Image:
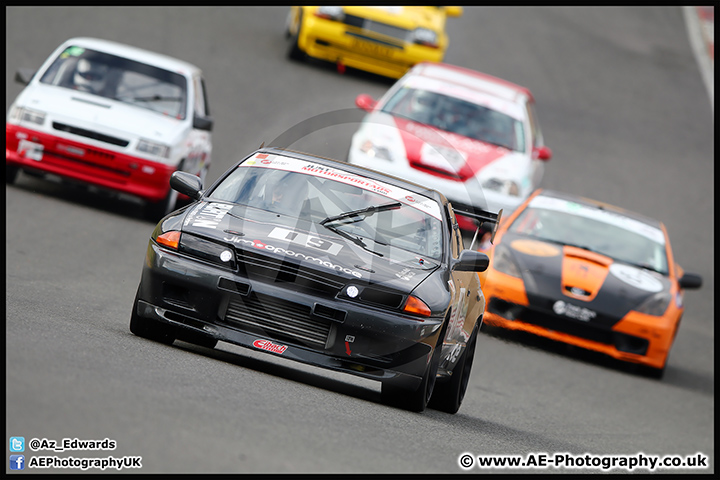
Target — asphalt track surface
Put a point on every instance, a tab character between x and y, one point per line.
621	103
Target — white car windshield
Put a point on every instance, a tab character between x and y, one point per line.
361	215
121	79
458	116
610	234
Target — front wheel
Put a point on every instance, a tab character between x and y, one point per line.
11	174
415	400
449	396
294	52
149	328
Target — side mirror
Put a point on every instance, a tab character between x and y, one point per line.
471	261
542	153
365	102
202	123
24	75
187	184
690	281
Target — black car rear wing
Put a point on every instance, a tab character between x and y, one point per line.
483	219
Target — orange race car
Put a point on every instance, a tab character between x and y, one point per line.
588	274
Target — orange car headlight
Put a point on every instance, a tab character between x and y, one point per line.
503	262
655	304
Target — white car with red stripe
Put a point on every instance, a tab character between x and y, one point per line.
112	116
472	136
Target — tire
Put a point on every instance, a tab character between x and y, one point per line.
294	52
11	174
448	396
651	372
155	211
415	400
149	328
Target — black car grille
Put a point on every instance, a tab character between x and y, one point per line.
377	27
279	319
278	270
576	328
90	134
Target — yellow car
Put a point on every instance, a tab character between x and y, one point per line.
382	40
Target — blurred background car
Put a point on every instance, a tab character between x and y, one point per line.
113	116
383	40
472	136
588	274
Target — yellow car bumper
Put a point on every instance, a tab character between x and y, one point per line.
334	42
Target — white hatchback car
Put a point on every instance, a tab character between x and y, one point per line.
113	116
472	136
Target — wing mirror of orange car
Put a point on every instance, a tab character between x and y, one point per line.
542	153
471	261
187	184
365	102
690	281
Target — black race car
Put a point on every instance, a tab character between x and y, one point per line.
324	263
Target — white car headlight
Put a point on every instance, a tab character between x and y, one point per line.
376	151
507	187
20	114
425	36
153	148
330	12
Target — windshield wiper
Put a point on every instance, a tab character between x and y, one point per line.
155	98
356	240
560	242
362	213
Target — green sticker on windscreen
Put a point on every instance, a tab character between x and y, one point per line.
573	206
72	52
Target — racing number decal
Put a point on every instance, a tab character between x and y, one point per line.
306	240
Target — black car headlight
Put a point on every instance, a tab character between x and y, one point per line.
655	304
210	251
503	262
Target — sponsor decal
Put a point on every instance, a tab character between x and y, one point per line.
31	150
70	149
427	205
405	274
211	215
191	215
636	277
269	346
573	311
306	240
534	247
282	251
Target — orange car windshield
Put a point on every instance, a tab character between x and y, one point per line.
617	239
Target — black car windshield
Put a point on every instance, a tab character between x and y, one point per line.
121	79
606	232
302	192
459	116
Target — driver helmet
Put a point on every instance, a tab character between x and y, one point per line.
90	76
423	101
